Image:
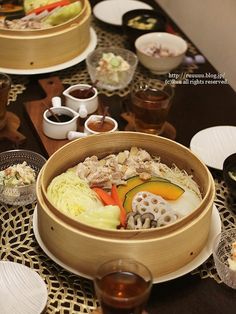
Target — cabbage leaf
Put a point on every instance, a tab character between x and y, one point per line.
72	195
105	217
30	5
63	14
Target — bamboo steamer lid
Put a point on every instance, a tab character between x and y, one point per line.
83	247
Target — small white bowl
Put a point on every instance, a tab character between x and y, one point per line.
176	45
98	118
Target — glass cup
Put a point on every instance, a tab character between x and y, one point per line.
224	254
123	286
151	104
5	86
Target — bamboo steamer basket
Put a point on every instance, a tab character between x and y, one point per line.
163	250
35	49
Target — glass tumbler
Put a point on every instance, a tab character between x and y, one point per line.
123	286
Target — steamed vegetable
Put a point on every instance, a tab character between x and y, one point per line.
106	217
73	196
115	196
113	199
133	182
159	190
105	197
165	189
68	193
30	5
63	14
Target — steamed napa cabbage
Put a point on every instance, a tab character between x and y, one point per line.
30	5
63	14
68	193
106	217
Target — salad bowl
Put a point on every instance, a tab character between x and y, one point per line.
111	67
12	190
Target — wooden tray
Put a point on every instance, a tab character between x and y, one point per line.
52	87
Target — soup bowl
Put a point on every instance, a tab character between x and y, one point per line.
83	247
160	52
138	22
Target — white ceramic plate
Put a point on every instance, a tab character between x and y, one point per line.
213	145
111	11
91	46
197	261
22	290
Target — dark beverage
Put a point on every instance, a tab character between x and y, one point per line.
123	293
82	93
61	117
150	107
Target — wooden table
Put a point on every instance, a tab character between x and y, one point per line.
195	107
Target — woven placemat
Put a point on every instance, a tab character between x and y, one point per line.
18	86
67	292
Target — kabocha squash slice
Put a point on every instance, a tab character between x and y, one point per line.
133	182
165	189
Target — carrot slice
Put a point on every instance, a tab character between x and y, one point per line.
115	196
104	196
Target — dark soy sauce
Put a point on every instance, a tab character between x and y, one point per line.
61	117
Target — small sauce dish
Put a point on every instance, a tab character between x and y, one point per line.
94	125
59	130
82	98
